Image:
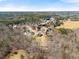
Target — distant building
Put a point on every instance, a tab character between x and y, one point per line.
69	19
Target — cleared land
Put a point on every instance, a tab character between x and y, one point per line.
70	25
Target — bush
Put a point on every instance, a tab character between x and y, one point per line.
64	31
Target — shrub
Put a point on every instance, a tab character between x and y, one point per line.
64	31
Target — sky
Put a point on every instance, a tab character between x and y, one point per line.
39	5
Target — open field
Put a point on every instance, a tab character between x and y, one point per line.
70	25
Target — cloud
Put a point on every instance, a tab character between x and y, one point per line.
71	1
62	9
10	7
2	0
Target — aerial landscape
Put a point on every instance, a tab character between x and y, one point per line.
39	35
39	29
